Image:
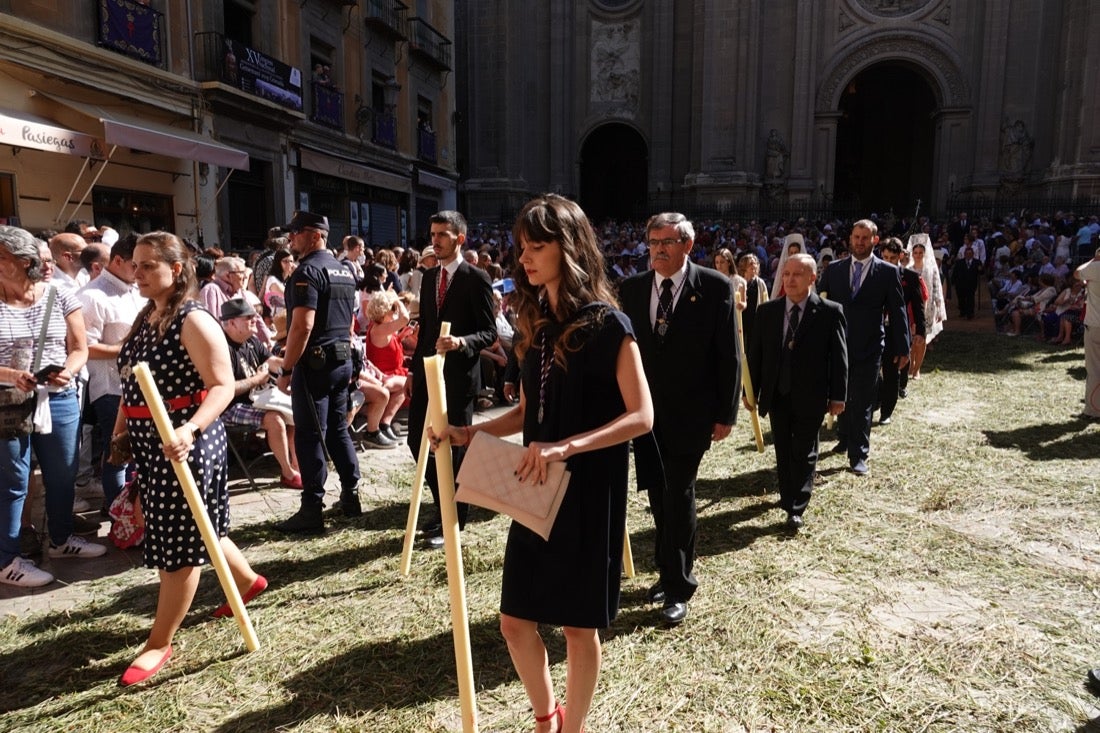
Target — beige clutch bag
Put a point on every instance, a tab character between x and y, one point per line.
488	479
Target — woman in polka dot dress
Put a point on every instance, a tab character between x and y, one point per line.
188	357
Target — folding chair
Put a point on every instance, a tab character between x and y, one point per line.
242	438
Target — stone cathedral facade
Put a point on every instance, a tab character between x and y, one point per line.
634	105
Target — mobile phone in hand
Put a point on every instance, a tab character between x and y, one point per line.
43	375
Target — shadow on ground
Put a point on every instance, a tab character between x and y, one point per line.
1046	442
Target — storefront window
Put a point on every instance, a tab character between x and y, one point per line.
132	211
8	212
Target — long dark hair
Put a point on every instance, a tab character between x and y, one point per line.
170	250
554	218
277	266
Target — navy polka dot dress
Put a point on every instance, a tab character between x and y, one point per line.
172	539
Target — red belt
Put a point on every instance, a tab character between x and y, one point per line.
176	403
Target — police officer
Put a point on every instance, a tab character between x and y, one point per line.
317	368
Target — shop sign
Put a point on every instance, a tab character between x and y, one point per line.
29	134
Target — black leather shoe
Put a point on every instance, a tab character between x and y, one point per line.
655	594
885	420
349	503
1094	679
840	448
674	613
794	521
435	542
433	529
903	393
307	519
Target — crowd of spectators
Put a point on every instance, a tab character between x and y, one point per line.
1022	263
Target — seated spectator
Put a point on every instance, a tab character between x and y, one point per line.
387	319
274	289
252	364
1061	318
1030	305
365	417
1012	288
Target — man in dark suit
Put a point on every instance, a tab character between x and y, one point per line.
460	294
683	316
798	360
965	275
867	288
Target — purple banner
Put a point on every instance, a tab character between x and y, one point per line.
131	28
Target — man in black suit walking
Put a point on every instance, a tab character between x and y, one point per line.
798	360
461	294
683	316
867	288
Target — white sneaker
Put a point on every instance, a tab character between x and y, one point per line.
76	547
81	505
24	573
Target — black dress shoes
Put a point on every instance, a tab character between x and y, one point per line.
673	613
435	542
794	522
1094	680
655	594
885	420
349	503
840	448
307	520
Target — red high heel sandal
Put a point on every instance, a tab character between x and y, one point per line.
558	712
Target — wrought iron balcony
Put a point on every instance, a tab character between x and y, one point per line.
328	106
425	145
384	131
429	44
387	17
132	29
230	62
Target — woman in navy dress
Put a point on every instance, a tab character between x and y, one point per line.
583	397
188	358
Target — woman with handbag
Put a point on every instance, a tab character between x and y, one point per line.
42	346
584	396
188	357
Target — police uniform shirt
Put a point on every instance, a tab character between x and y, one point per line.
322	284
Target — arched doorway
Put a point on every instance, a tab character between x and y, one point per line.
614	165
885	140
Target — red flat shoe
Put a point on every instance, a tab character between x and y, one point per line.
558	712
292	482
133	674
258	586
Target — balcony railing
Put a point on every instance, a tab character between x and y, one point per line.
232	63
387	17
429	43
328	106
425	145
385	130
132	29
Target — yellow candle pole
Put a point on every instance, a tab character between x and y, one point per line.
198	509
418	483
746	377
628	555
829	419
437	411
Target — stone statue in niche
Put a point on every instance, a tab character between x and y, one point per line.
615	62
775	160
1016	148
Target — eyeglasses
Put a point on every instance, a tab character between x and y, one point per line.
664	242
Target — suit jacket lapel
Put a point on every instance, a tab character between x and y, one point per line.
643	294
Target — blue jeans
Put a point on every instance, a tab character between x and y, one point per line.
57	453
113	477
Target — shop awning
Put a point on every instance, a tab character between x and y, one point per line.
24	130
131	132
